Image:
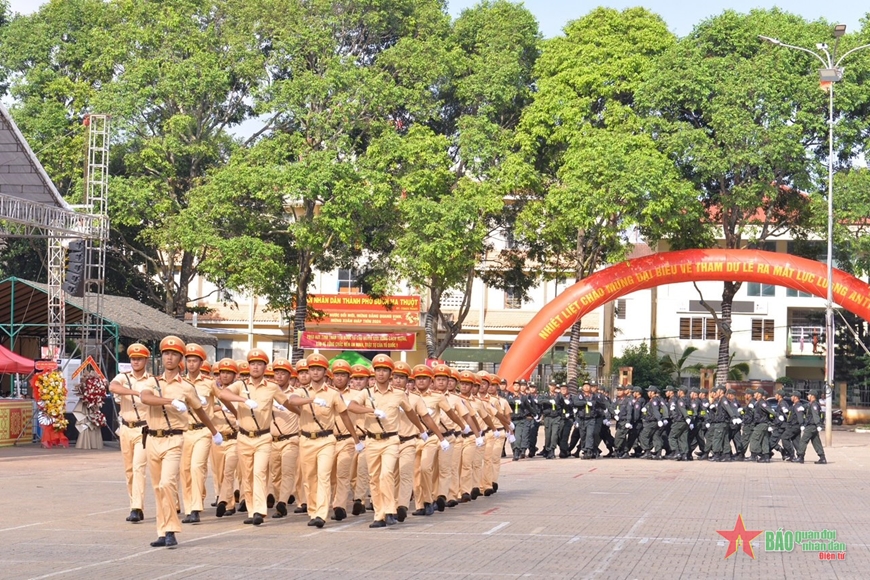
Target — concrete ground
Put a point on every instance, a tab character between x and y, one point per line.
63	516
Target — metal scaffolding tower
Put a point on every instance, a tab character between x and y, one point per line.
96	197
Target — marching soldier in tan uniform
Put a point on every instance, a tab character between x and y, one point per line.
409	438
345	453
382	438
495	440
197	439
503	413
450	461
169	397
317	445
303	381
359	379
426	468
254	445
126	388
285	444
469	446
479	457
226	459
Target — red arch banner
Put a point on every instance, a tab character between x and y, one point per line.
611	283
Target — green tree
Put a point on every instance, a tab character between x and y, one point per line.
739	118
678	367
586	170
646	366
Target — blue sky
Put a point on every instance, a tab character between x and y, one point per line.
681	16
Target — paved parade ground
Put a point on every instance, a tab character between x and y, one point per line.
63	516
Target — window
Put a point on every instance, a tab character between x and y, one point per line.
347	283
762	329
620	309
792	293
698	329
756	289
512	297
224	350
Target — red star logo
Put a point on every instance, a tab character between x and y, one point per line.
739	535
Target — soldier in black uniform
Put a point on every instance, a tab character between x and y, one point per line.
718	421
635	422
567	422
759	445
603	420
535	420
551	413
520	409
781	410
732	407
700	403
669	412
791	434
621	413
810	429
653	422
584	422
681	424
747	414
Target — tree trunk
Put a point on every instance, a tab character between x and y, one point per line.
301	313
573	365
430	322
181	292
728	292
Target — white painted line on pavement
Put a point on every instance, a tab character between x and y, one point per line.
345	526
496	528
179	572
537	531
19	527
602	566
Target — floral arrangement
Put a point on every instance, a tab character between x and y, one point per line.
51	393
92	391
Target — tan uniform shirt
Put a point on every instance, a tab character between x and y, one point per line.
439	405
175	388
355	418
206	389
458	405
264	394
131	409
493	406
221	416
390	401
285	422
315	418
406	428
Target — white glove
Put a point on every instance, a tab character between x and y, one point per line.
251	404
607	422
378	413
820	429
511	438
321	402
781	418
467	429
537	418
424	436
751	405
739	421
480	441
628	425
770	429
203	401
359	447
179	406
431	411
661	424
512	427
279	406
802	428
691	426
665	421
217	438
801	408
497	433
643	408
445	445
706	425
225	409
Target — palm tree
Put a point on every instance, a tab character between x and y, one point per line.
736	371
678	368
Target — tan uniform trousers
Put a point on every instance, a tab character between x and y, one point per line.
494	457
228	459
425	471
361	479
283	468
301	494
135	460
486	473
253	455
446	468
466	467
316	457
164	458
383	458
456	468
405	479
194	468
345	453
216	460
477	461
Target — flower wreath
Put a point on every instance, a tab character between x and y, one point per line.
50	390
93	392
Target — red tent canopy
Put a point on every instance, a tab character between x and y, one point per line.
14	363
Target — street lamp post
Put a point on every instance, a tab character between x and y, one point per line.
831	72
